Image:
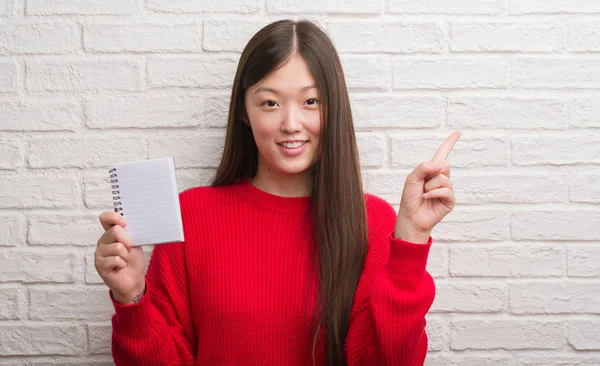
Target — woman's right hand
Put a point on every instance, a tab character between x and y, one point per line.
119	264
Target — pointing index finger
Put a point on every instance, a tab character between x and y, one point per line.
444	150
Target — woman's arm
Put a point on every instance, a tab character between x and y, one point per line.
395	292
157	330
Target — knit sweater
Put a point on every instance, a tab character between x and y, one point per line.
240	290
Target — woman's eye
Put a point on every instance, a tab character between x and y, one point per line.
269	103
314	101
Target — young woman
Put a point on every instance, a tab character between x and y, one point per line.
286	261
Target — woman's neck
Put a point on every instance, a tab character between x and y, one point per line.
293	185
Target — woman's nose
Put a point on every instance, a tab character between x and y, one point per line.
291	120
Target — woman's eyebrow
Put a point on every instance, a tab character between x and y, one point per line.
275	91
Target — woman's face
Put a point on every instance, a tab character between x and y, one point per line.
284	114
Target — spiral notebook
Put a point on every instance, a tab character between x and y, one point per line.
145	193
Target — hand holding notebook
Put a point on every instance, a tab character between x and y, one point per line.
145	193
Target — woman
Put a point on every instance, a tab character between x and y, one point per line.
286	261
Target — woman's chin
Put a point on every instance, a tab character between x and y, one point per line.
299	169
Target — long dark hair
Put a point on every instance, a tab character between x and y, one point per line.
337	203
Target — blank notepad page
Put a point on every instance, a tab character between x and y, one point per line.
145	193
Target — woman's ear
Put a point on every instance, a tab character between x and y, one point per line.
245	119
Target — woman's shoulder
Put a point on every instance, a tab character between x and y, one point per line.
198	191
206	194
377	205
381	215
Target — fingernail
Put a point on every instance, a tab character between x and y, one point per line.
123	222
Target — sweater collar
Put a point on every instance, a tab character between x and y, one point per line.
271	201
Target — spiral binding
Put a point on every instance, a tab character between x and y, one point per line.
114	180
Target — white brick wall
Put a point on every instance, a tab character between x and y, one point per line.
87	83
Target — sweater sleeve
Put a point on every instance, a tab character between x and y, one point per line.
394	293
159	329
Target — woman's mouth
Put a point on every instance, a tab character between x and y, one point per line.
293	148
292	145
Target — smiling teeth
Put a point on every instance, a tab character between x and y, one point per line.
292	145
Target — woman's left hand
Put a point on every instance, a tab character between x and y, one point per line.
427	196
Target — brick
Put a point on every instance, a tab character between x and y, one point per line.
555	73
469	298
553	6
85	152
506	37
198	151
385	184
9	303
13	230
41	339
584	113
584	335
99	338
375	111
8	76
437	263
468	152
30	267
100	360
372	149
97	191
199	72
90	303
324	7
523	188
506	113
82	75
578	360
216	111
506	334
388	37
39	191
39	114
555	150
555	225
143	112
78	7
366	72
65	229
186	6
437	332
6	8
581	261
554	298
229	35
113	38
584	188
583	37
456	360
11	154
39	39
450	73
507	261
482	7
473	225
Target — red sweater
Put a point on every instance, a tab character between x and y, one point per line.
239	290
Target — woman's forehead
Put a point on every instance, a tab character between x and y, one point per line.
293	76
